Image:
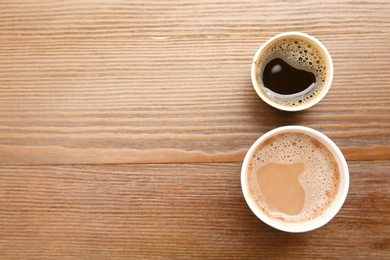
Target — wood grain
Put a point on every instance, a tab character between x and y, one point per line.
123	125
174	211
94	82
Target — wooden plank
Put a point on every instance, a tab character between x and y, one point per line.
140	82
174	211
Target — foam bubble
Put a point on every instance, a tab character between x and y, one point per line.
299	54
320	179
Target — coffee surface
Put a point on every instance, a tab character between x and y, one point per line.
291	71
283	79
279	184
293	177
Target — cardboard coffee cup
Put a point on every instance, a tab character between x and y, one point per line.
292	71
295	179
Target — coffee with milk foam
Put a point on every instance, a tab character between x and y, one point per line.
293	177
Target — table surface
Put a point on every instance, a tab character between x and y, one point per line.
123	126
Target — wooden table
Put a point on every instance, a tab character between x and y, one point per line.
123	126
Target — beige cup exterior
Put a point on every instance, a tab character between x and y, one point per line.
329	64
334	207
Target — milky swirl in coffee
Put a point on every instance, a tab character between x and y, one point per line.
320	178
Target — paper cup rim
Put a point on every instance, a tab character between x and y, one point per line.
329	213
324	90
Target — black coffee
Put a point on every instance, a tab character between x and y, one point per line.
292	71
283	79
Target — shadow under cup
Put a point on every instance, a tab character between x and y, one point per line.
328	213
302	53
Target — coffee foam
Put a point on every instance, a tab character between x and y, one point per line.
320	180
300	54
